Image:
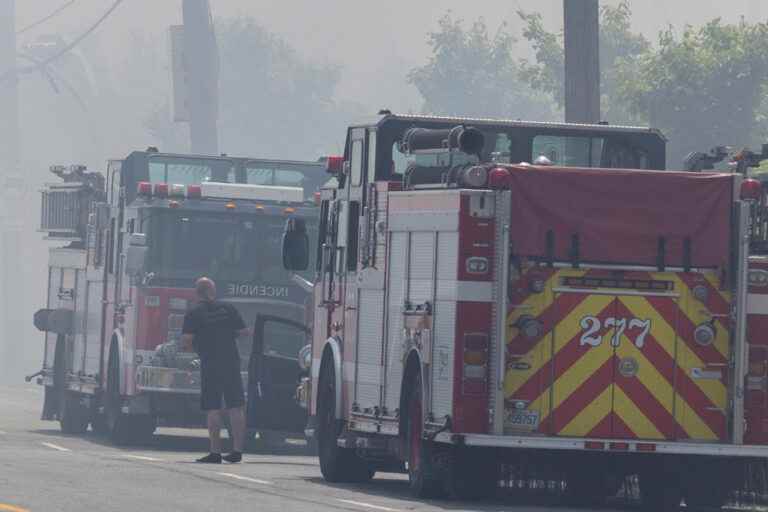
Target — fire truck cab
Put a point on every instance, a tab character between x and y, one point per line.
543	298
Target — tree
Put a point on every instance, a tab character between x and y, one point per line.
473	73
619	49
274	102
704	88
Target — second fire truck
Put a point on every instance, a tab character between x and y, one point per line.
541	297
121	279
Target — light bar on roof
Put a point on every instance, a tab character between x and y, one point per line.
257	192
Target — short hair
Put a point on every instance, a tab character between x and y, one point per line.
205	288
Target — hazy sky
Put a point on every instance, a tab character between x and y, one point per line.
369	39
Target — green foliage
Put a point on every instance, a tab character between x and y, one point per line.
704	88
473	73
619	49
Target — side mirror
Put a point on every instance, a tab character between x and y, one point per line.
136	255
295	245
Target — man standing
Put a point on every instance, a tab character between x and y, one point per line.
211	328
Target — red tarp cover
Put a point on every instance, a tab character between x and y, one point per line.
619	215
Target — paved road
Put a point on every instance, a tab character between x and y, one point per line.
42	469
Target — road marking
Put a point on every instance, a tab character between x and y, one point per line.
3	432
368	505
56	447
246	479
142	457
11	508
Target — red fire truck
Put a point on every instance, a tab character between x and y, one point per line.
540	297
119	287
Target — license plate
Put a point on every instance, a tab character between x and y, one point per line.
523	420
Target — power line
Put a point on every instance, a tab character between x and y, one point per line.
66	49
43	20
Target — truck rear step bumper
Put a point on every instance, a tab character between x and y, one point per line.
606	445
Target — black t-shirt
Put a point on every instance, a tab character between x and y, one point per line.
214	325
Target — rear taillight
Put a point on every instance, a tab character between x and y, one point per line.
594	445
645	447
751	190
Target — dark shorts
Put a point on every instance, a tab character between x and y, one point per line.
221	387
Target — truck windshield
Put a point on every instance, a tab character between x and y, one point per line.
227	247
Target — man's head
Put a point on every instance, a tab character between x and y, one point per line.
205	288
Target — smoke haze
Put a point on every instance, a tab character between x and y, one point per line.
119	77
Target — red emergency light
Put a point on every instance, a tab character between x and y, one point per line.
144	188
751	190
161	189
194	191
499	178
334	164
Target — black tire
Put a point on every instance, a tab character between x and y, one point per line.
123	429
336	464
423	478
72	415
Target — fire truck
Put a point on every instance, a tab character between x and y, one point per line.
542	298
131	245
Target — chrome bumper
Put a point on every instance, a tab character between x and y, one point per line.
158	379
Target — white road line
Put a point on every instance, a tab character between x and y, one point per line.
142	457
56	447
3	432
369	505
246	479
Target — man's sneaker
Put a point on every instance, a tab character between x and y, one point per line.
233	457
211	458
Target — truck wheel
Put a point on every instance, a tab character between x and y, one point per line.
423	478
123	429
73	416
336	464
660	491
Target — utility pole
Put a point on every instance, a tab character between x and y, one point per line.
11	191
582	61
9	89
201	60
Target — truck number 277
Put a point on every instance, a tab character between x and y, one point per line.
592	326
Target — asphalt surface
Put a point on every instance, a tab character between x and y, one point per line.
42	469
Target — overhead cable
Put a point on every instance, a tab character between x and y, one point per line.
43	63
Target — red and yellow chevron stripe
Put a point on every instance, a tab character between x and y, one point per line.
619	363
